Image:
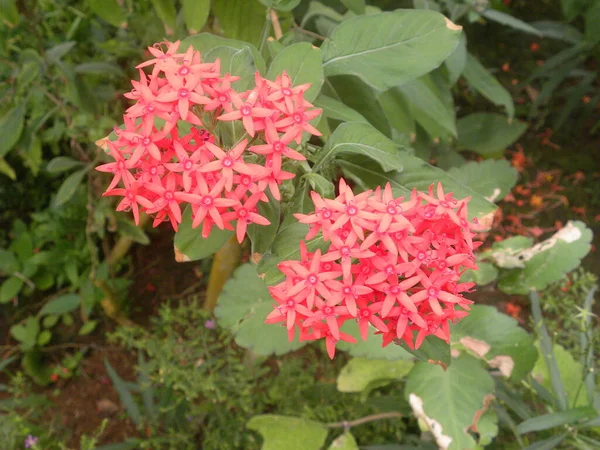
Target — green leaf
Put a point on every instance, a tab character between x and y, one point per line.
55	54
359	373
88	327
557	419
133	411
10	288
205	42
487	85
428	109
390	48
262	236
344	442
7	170
68	188
62	164
398	111
243	307
8	262
191	246
110	11
353	92
165	10
320	184
23	246
287	246
432	351
573	8
535	267
26	332
28	73
450	401
488	134
510	21
558	30
37	368
44	337
547	444
457	61
420	175
240	19
11	127
486	274
370	348
99	68
491	178
128	229
568	369
61	305
289	433
195	14
356	6
302	62
50	321
235	62
9	12
497	339
592	17
360	139
280	5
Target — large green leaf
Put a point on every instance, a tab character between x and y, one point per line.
428	109
456	62
416	174
361	373
510	21
240	19
398	111
345	442
110	11
535	267
569	369
497	339
432	351
557	419
68	188
450	402
334	109
371	348
391	48
289	433
487	85
205	42
262	236
195	14
237	62
286	246
11	127
61	305
302	62
488	134
243	307
165	10
355	138
359	96
189	243
491	178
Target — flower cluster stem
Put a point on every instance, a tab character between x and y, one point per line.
224	263
347	424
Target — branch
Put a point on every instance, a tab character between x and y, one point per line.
346	425
276	24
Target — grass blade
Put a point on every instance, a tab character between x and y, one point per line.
586	338
124	395
557	419
548	353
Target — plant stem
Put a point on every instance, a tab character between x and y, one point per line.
276	24
346	425
123	245
224	263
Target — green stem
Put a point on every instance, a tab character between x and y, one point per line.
224	263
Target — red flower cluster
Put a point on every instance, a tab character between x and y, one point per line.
161	167
392	263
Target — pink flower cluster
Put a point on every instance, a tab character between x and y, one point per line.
160	167
392	263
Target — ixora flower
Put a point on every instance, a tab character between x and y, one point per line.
159	168
392	263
